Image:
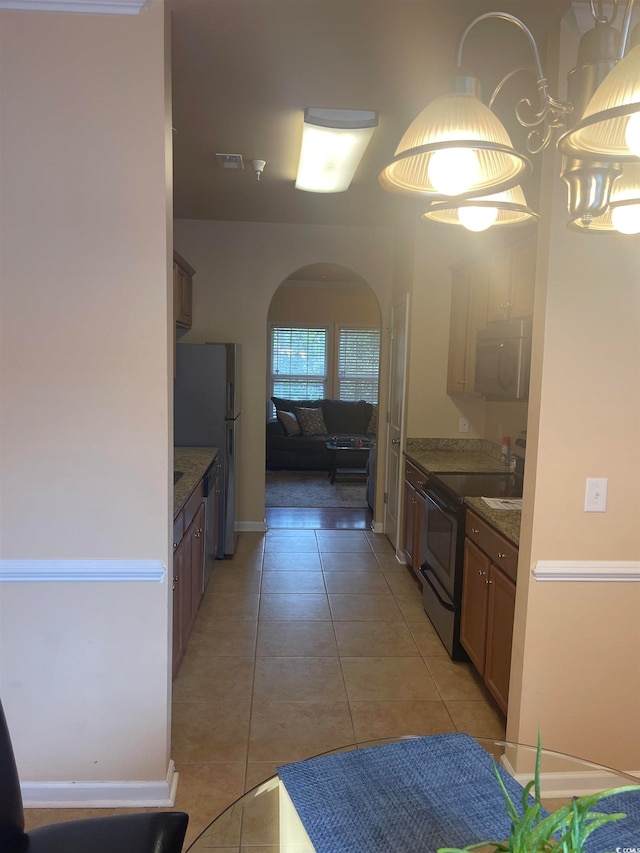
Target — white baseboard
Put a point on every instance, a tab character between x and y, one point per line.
587	570
250	527
82	571
101	795
575	783
377	527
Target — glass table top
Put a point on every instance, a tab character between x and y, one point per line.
265	818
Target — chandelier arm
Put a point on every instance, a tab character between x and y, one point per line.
505	80
599	17
552	112
626	26
503	16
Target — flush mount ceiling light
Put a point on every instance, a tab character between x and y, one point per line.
333	142
456	149
508	207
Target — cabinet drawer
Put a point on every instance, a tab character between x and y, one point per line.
414	476
193	504
495	546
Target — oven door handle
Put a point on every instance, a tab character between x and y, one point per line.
446	604
445	506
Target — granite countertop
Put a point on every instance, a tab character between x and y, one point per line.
440	455
505	521
193	462
453	460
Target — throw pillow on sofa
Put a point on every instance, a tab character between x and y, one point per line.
290	423
311	421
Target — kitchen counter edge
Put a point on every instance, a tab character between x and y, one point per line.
193	462
506	522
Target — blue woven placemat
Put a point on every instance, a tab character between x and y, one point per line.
417	795
413	795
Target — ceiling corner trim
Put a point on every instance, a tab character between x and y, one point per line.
95	7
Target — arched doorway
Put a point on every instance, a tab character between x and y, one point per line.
323	340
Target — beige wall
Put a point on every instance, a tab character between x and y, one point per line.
576	662
233	289
335	306
85	418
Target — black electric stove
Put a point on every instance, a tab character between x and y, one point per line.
442	568
496	484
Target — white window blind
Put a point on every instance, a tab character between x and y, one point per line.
358	360
298	362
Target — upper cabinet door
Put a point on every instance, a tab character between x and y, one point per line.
513	273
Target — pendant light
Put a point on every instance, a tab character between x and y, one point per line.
508	207
610	125
455	147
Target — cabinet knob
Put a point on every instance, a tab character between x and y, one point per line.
475	530
488	581
395	441
481	572
197	533
501	555
175	581
461	382
175	544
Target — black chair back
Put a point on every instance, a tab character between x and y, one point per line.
11	813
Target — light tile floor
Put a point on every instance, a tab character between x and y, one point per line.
306	641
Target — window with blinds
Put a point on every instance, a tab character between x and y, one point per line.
298	362
358	361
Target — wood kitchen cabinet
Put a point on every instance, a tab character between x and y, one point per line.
188	563
498	286
415	519
182	291
470	287
488	604
512	281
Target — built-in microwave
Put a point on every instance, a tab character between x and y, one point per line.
503	360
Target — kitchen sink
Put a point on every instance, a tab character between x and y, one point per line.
176	476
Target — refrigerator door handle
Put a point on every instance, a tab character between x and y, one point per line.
230	442
231	394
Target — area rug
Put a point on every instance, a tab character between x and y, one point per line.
310	489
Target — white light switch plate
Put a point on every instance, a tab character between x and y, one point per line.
463	425
595	499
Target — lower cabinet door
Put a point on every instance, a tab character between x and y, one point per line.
475	591
500	615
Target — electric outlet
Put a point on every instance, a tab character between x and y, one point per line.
463	425
595	499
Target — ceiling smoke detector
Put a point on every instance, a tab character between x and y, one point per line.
230	161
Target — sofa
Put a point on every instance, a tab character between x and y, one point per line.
297	436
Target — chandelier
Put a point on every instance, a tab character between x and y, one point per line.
459	158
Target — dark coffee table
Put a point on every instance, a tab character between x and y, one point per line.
348	460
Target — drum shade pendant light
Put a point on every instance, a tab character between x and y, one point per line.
623	213
333	143
455	147
508	207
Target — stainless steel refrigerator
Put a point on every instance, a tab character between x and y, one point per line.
206	404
